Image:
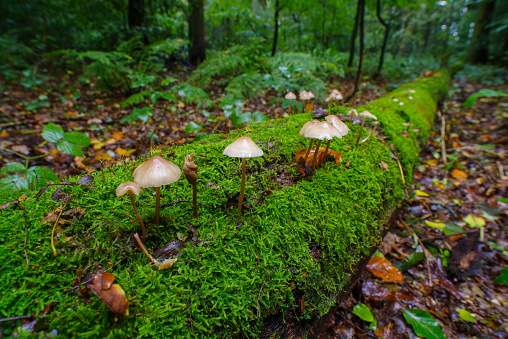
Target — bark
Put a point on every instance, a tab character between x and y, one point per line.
196	22
385	39
478	50
276	22
255	7
353	37
362	48
136	14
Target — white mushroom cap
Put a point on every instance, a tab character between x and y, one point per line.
290	96
336	94
353	113
304	95
338	124
243	147
323	130
306	127
156	172
311	95
367	115
128	186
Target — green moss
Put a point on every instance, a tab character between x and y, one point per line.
312	233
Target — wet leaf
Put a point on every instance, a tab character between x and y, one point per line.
383	165
452	228
421	194
12	167
458	174
466	315
474	221
193	127
52	216
384	269
7	204
70	148
414	259
111	294
503	277
52	133
320	157
87	179
424	324
438	225
363	312
77	138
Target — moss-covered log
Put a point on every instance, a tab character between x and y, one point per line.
292	251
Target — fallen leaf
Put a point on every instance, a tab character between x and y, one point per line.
473	221
320	156
438	225
422	194
117	135
423	324
111	294
383	165
384	269
458	174
124	152
309	107
181	104
23	149
466	315
4	134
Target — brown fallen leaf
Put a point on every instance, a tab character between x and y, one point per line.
383	165
384	269
320	157
458	174
111	294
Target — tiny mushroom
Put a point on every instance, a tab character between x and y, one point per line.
156	172
376	123
339	125
322	130
352	114
304	129
242	147
190	170
290	96
304	96
334	96
130	187
364	115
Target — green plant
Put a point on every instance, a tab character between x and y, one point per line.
232	107
142	114
19	175
190	94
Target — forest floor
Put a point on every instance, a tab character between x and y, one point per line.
445	268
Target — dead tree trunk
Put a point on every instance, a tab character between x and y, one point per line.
361	4
276	22
196	22
385	39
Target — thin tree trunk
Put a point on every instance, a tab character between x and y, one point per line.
255	7
196	22
360	62
385	39
323	24
478	50
353	37
276	22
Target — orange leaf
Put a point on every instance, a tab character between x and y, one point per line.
384	269
320	157
111	294
309	107
458	174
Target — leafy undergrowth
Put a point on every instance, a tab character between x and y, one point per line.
459	288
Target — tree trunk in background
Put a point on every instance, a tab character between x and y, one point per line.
385	39
136	14
361	5
276	22
353	37
255	7
478	50
197	31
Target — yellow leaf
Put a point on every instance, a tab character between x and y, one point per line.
121	151
438	225
473	221
117	135
181	104
98	145
458	174
422	194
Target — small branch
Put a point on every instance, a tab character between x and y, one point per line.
262	285
26	233
443	138
53	231
15	318
450	235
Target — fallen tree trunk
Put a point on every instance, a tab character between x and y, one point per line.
295	250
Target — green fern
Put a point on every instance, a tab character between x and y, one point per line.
246	85
190	94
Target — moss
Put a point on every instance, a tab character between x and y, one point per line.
312	233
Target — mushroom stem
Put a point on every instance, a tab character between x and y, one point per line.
326	150
242	188
308	150
290	108
371	132
315	156
136	236
143	228
157	205
360	133
349	127
303	106
195	200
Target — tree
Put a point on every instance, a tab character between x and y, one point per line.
276	22
385	39
136	14
196	22
478	50
353	37
361	8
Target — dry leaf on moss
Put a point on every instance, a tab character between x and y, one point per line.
320	157
111	294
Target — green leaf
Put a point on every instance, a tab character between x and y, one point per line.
69	148
423	324
168	81
192	127
504	200
12	182
503	277
40	175
77	138
13	167
409	262
482	93
363	312
438	225
466	316
452	228
52	133
37	104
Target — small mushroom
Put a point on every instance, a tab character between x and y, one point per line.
352	114
339	125
156	172
304	129
243	147
130	187
407	124
322	130
304	96
371	132
160	265
190	170
290	96
364	115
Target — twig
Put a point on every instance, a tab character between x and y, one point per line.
53	231
26	233
15	318
262	285
443	138
449	235
425	252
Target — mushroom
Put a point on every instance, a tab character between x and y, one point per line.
160	265
290	96
371	132
243	147
334	96
304	129
190	170
156	172
364	115
322	130
304	95
339	125
131	187
352	114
